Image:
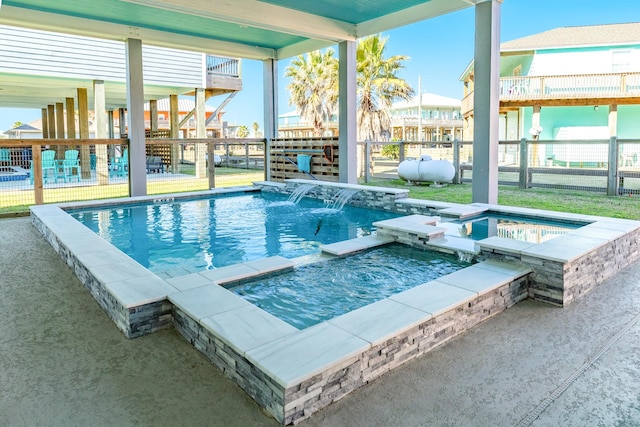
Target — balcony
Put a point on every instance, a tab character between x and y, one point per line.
223	75
429	123
565	90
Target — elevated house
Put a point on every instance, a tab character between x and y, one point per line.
433	118
58	72
570	83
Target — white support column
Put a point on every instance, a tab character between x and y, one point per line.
347	155
270	98
535	127
201	132
486	104
613	120
100	112
135	117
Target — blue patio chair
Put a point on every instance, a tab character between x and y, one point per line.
120	165
49	167
70	166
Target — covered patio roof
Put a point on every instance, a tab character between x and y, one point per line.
252	29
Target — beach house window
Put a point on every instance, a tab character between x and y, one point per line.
620	61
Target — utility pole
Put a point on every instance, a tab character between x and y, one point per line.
419	108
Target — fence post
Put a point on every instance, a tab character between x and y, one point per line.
246	154
367	161
212	164
267	159
36	170
524	164
456	162
401	152
612	168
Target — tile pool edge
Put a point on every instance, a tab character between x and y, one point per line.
298	373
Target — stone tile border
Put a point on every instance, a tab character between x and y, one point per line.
292	373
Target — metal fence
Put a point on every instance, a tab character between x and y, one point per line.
51	171
605	166
100	168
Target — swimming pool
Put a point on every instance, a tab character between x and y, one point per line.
172	239
293	373
323	290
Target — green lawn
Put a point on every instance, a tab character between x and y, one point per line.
550	199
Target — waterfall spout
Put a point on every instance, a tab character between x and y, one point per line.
299	192
343	197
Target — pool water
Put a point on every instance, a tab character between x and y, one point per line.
320	291
526	229
174	239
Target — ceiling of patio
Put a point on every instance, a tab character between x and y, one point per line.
252	29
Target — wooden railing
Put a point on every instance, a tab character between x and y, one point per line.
564	89
613	85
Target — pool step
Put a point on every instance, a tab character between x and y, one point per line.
354	245
232	273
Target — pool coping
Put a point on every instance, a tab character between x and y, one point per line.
285	356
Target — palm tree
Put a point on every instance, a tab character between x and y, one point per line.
255	127
242	132
314	87
378	86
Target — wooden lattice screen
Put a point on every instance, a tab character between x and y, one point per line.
284	161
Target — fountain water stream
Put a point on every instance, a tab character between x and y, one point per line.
300	192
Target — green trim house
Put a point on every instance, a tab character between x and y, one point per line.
570	83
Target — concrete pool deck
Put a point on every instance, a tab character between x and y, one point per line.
65	363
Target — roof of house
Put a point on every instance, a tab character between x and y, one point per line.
25	128
564	37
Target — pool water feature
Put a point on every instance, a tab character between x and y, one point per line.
322	290
188	236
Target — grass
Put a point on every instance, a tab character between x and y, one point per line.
17	202
14	203
588	203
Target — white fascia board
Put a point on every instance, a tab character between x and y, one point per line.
18	17
302	48
411	15
257	14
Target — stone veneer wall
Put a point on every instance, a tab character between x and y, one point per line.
561	283
300	401
132	321
369	197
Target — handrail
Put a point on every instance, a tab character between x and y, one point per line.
604	85
222	66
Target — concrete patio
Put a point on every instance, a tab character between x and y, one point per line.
64	363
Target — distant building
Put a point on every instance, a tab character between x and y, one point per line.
439	118
44	70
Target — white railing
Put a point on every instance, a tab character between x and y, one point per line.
222	66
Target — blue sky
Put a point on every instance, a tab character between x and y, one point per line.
439	50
